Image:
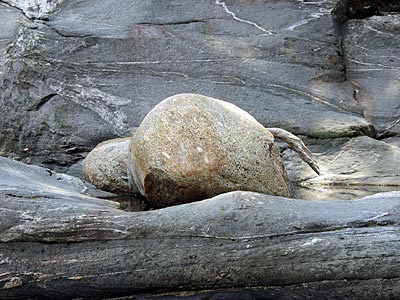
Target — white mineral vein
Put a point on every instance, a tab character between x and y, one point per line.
316	15
372	64
312	2
35	8
307	94
379	216
380	32
234	16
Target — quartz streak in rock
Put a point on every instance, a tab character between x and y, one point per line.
191	147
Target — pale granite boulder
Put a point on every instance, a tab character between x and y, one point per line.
192	147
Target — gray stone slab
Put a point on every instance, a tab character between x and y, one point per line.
350	168
27	181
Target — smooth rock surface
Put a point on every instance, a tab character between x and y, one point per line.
235	240
106	166
32	190
350	168
192	147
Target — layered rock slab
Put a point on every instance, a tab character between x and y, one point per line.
191	147
244	239
32	182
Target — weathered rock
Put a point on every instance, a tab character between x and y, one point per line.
106	166
9	22
350	168
35	9
192	147
62	63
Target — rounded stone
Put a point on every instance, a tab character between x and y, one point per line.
192	147
106	166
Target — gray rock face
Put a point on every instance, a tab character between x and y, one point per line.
191	147
245	239
114	67
106	166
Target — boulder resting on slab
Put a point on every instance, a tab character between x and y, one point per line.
192	147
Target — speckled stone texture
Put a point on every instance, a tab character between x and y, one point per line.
191	147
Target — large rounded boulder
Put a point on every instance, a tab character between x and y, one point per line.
192	147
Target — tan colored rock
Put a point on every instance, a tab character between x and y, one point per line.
106	166
192	147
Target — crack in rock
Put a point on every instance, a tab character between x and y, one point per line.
234	16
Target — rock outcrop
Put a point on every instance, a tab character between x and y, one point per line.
66	63
72	76
191	147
